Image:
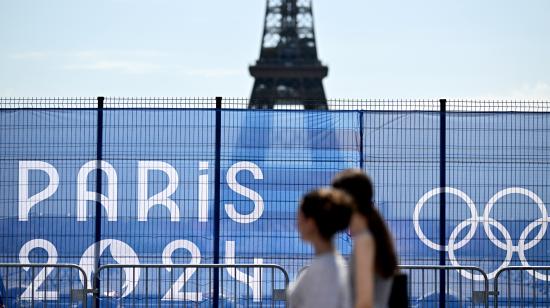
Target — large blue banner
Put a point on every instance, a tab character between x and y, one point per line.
157	170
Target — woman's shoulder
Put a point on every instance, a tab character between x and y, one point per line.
328	263
364	238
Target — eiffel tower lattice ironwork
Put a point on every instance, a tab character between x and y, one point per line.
288	71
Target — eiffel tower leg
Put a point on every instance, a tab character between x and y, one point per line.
263	95
314	95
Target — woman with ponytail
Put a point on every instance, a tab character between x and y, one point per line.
374	261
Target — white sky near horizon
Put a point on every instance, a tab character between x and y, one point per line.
425	49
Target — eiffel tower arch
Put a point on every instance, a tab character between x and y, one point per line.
288	71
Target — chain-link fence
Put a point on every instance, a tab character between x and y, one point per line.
464	187
452	105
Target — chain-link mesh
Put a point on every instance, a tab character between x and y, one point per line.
453	105
157	186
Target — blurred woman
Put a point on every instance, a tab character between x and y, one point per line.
374	261
325	283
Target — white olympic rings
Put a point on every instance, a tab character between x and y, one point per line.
487	222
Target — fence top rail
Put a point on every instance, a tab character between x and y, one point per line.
106	266
450	268
41	265
197	266
521	268
452	105
442	267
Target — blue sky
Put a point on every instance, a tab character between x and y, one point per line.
472	49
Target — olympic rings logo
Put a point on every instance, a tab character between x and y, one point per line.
473	222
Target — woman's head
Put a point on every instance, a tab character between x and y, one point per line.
324	212
359	186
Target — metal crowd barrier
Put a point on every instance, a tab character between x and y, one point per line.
66	285
151	285
424	286
53	285
524	286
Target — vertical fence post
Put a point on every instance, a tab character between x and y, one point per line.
217	202
98	184
361	145
442	205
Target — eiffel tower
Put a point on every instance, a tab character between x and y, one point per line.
288	71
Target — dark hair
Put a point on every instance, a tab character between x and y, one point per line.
359	185
330	209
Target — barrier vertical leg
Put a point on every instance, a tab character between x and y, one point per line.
361	128
217	201
97	232
442	205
